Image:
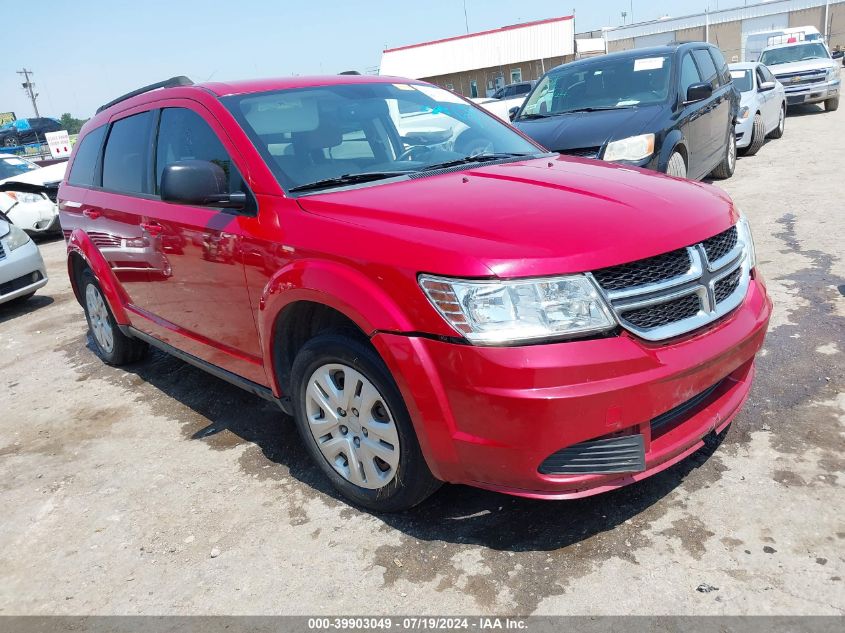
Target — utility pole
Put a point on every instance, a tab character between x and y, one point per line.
29	87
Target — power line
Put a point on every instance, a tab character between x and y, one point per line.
29	88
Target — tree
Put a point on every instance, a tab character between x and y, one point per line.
71	124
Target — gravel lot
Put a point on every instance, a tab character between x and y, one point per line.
162	490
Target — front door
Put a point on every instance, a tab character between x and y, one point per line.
202	306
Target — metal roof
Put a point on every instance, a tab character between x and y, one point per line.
498	47
714	17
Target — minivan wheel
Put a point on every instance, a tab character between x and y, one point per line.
113	346
355	425
726	168
831	105
758	136
778	131
676	166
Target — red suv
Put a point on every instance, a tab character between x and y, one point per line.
430	294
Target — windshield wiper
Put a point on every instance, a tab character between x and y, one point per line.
535	115
349	179
478	158
597	109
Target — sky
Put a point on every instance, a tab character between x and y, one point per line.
86	52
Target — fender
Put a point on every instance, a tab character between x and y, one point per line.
672	140
81	244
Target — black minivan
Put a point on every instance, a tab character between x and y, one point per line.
668	108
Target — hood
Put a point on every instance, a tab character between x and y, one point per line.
45	175
807	64
589	129
537	217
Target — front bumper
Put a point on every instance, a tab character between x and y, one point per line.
813	93
744	132
22	271
489	417
36	217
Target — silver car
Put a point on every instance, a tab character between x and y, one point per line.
762	108
22	270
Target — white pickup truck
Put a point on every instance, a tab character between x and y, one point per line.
806	70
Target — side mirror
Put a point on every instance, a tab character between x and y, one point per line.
767	85
513	112
699	92
199	183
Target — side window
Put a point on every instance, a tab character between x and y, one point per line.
721	66
85	164
761	77
184	135
689	75
126	157
767	74
706	67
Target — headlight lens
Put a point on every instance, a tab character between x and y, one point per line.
744	229
832	73
26	198
744	112
508	312
15	238
631	148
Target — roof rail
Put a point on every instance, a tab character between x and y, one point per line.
181	80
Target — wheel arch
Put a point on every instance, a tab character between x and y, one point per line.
675	141
83	254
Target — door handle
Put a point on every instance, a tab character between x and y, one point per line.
92	214
153	228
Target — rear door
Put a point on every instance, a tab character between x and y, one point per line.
693	120
717	110
201	305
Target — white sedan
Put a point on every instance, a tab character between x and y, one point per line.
22	269
34	212
762	108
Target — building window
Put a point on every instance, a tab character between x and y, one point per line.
450	86
516	75
473	89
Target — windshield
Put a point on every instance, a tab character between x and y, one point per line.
609	83
743	80
14	167
789	54
368	131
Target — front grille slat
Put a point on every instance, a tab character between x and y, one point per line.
677	292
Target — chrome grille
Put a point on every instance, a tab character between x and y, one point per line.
2	251
801	79
671	294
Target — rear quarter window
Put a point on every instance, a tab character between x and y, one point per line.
706	67
84	166
126	155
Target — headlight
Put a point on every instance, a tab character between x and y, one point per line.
744	112
631	148
508	312
832	73
744	229
15	238
26	198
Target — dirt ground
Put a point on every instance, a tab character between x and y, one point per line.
162	490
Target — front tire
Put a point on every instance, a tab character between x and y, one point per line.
676	166
758	136
112	345
355	425
831	105
726	168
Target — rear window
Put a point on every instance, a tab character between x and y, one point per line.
85	164
127	155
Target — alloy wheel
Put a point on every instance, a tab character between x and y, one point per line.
352	426
98	316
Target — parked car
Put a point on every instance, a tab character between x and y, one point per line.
514	90
762	108
518	321
506	99
22	270
807	71
668	108
34	191
23	131
756	43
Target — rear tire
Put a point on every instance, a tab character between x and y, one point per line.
831	105
676	166
778	131
112	345
758	136
726	168
355	426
